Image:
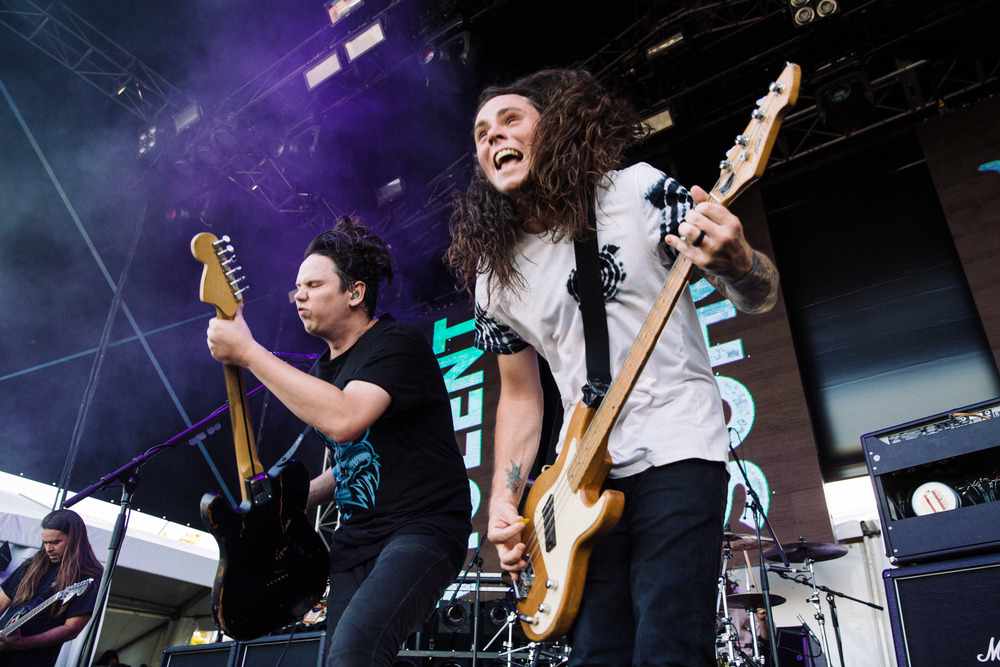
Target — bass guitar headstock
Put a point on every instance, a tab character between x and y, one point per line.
747	159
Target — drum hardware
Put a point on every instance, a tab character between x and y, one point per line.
538	653
759	520
752	601
737	542
809	553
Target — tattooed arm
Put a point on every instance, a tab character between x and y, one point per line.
756	291
516	439
712	238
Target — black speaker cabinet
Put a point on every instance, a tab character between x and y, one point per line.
797	648
206	655
299	649
945	613
937	481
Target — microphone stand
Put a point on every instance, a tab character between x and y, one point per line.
761	517
477	561
830	594
128	477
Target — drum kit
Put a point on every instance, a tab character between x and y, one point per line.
744	618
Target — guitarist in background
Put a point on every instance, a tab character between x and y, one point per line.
398	477
65	558
546	145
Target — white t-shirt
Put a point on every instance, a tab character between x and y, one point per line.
674	411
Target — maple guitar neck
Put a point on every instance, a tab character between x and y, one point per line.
744	163
221	285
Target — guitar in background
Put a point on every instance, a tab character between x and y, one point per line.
273	566
27	613
565	512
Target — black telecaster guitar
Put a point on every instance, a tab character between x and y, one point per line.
273	566
565	511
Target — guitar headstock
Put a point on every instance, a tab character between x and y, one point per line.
220	279
75	589
746	160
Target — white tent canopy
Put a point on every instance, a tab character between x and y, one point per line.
161	587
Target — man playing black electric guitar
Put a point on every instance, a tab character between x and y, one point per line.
398	478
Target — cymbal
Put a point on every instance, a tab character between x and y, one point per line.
801	551
752	600
737	542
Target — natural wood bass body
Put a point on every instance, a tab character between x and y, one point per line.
553	585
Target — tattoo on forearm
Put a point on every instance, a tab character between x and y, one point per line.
755	292
514	477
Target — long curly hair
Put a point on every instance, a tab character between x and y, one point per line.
78	561
581	134
358	254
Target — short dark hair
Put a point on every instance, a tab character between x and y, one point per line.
358	253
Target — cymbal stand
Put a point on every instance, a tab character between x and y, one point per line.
818	615
760	517
509	627
732	635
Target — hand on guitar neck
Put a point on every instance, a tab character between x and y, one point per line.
230	340
712	238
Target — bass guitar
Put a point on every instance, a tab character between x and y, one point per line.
25	615
273	566
565	512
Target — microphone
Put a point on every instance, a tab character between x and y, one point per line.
805	626
782	568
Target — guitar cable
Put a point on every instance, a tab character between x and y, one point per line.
288	643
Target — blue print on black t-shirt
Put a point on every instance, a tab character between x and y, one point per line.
356	469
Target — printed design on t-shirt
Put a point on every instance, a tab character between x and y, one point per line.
356	469
612	274
494	336
673	202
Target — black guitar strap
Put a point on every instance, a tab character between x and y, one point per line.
590	288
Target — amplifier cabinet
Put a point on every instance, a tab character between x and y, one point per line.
300	649
946	612
937	481
204	655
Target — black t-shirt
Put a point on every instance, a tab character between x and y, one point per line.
45	620
405	474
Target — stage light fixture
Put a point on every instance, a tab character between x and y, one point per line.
391	191
338	9
659	122
323	70
147	140
805	12
365	41
664	46
826	7
187	117
427	54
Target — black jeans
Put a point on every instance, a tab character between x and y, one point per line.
373	608
651	584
